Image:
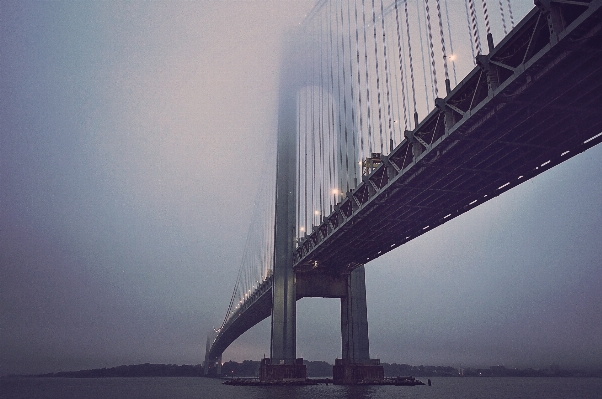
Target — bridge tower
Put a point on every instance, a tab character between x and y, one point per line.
283	363
355	364
209	363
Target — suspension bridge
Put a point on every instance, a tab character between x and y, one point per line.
379	142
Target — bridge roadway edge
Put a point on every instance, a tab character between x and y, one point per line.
518	96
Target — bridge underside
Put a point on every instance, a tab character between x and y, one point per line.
543	113
307	285
533	103
258	310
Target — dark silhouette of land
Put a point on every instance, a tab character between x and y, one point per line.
250	368
138	370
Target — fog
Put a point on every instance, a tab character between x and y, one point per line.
132	138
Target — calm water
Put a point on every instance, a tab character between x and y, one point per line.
184	388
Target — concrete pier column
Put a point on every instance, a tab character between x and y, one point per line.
283	344
356	367
206	362
218	366
354	319
212	364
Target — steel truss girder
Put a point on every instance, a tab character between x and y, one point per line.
538	138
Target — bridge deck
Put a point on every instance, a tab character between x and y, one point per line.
534	102
255	309
545	110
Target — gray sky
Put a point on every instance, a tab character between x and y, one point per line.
132	136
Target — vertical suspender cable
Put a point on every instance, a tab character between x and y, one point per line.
475	27
422	54
451	43
401	73
343	176
307	112
298	166
325	131
321	131
510	14
369	124
324	164
431	47
486	16
472	42
269	226
359	93
308	105
329	131
319	110
353	125
503	18
305	163
410	56
341	112
380	123
333	132
445	69
329	149
382	13
313	132
301	135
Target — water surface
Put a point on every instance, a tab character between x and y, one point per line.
198	388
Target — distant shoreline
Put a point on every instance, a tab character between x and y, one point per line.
249	368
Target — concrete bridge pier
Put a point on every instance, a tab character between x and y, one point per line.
354	319
355	365
218	366
283	363
213	364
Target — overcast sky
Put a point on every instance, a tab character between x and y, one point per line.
132	136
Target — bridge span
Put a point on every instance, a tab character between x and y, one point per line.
530	104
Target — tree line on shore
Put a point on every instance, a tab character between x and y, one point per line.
250	368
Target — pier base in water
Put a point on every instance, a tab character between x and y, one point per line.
269	372
347	373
